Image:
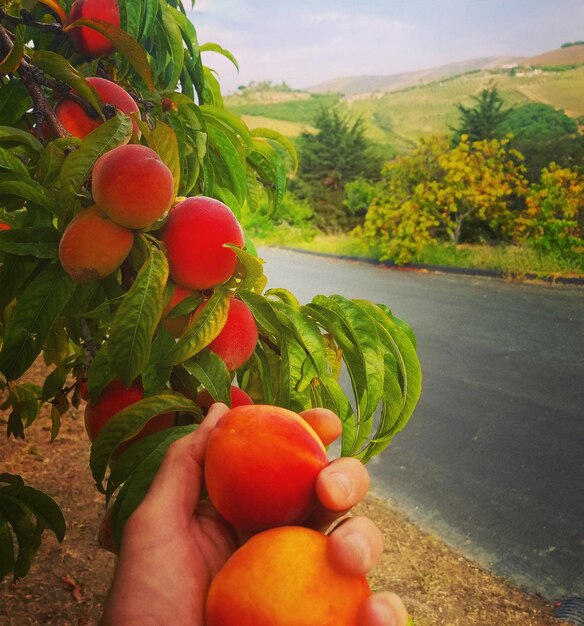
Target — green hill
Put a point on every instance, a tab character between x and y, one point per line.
399	118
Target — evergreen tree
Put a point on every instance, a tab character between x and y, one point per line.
484	120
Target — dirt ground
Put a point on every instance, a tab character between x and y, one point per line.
68	582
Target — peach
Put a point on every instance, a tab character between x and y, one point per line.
92	246
5	226
87	40
113	399
178	324
261	466
238	397
238	338
195	236
132	185
284	577
79	123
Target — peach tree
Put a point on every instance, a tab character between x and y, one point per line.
124	270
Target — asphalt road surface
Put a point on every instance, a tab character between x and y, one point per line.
493	459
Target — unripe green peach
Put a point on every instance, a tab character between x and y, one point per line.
132	185
195	236
92	246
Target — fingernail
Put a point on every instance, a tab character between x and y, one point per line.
343	484
361	549
383	611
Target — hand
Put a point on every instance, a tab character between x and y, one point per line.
169	556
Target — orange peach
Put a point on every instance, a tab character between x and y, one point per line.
113	399
87	40
78	121
238	338
92	246
195	236
132	185
283	577
261	466
238	397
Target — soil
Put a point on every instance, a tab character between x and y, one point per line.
68	582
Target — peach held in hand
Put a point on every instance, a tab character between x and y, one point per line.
195	236
92	246
87	40
283	577
80	123
132	185
261	466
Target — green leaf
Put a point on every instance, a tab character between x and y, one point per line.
15	101
130	16
50	164
278	179
213	47
54	383
202	330
8	134
137	317
124	43
32	320
127	423
164	142
79	163
58	67
175	46
263	313
234	163
40	504
149	13
210	370
28	189
100	373
156	376
12	60
7	560
39	241
249	271
136	486
15	271
229	120
12	163
274	135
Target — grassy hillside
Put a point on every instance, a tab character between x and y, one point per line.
399	118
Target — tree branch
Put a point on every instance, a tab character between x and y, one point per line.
28	19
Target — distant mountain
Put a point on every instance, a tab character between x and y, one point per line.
572	55
361	85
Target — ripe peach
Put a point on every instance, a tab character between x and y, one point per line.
238	397
5	226
176	325
238	338
113	399
92	246
261	466
85	39
195	236
283	577
132	185
79	123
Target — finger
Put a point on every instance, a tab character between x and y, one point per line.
324	422
355	546
177	484
383	609
342	484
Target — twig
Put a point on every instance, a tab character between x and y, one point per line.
28	19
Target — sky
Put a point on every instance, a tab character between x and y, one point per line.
307	42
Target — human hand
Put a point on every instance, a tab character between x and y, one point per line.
169	555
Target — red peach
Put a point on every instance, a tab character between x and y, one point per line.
238	338
261	466
195	236
284	577
92	246
77	121
87	40
238	397
5	226
132	185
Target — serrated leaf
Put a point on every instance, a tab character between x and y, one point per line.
50	164
39	241
58	67
127	423
136	319
263	312
8	134
175	46
276	164
12	163
210	370
41	506
249	270
235	168
274	135
149	13
32	320
213	47
79	163
202	330
130	16
164	142
124	43
136	486
22	186
230	120
155	376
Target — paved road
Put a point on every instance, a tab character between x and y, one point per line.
493	458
